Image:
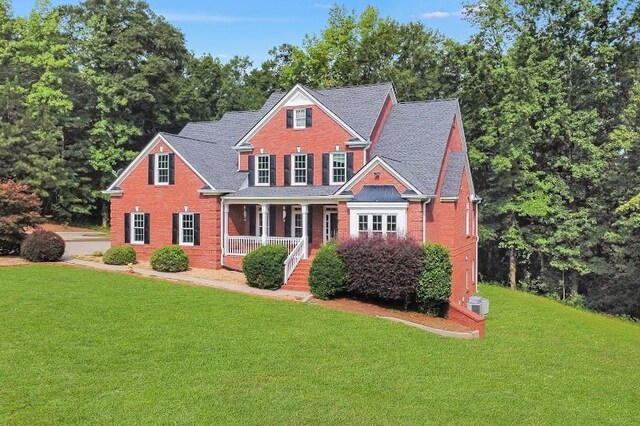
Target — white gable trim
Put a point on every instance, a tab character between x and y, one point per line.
143	154
293	96
367	168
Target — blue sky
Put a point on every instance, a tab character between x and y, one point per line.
252	27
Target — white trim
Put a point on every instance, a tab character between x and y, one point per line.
327	211
358	144
463	139
143	154
292	177
448	199
295	118
385	209
180	228
132	228
257	170
331	181
295	90
156	160
366	169
244	148
287	200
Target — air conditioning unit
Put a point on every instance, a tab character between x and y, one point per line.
478	305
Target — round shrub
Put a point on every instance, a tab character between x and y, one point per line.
264	267
434	285
327	274
119	255
42	246
169	259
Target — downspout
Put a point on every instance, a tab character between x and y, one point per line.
222	228
477	204
424	220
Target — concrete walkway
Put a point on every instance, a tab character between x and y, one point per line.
178	276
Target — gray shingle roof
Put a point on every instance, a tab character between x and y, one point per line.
414	138
453	175
358	106
378	193
284	191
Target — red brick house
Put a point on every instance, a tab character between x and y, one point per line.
309	166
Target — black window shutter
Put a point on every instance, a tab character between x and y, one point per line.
309	169
289	118
308	112
147	228
252	179
175	229
272	172
349	165
172	169
272	221
287	170
196	229
310	224
251	210
287	221
152	164
325	169
127	228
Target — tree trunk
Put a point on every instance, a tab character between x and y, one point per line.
512	268
105	213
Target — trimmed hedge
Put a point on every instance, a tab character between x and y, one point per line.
327	274
42	246
435	280
264	267
169	259
386	269
119	255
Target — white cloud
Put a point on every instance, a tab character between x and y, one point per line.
186	17
322	5
437	14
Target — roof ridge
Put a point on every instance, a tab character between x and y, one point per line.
189	138
427	101
386	83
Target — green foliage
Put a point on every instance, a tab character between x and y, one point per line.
42	246
264	267
327	274
434	285
122	255
169	259
19	211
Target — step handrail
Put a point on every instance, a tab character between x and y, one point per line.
294	258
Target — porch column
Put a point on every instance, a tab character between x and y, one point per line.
305	217
265	222
225	223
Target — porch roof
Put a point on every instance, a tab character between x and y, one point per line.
292	192
378	194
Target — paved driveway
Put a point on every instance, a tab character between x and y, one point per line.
84	242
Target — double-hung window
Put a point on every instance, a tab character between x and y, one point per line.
377	224
187	229
300	118
262	170
299	169
338	168
137	228
162	169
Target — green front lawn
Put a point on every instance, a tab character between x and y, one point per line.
80	346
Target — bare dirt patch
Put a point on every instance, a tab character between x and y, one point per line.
351	305
13	261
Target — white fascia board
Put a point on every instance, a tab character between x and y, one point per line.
285	200
295	90
448	199
358	144
244	148
374	207
464	144
367	168
142	155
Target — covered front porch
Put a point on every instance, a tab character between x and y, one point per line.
301	227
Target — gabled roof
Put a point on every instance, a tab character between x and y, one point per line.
378	194
414	139
453	174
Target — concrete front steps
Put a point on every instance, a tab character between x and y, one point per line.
299	280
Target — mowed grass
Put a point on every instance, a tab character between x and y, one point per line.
80	346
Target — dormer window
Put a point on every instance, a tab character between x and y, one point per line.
162	169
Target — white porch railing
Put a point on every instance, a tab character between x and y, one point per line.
290	263
240	245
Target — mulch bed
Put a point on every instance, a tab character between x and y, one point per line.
13	261
351	305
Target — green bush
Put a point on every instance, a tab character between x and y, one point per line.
264	267
169	259
434	285
119	255
42	246
327	274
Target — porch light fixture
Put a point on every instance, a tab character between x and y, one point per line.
244	213
284	214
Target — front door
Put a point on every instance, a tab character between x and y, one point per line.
330	223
